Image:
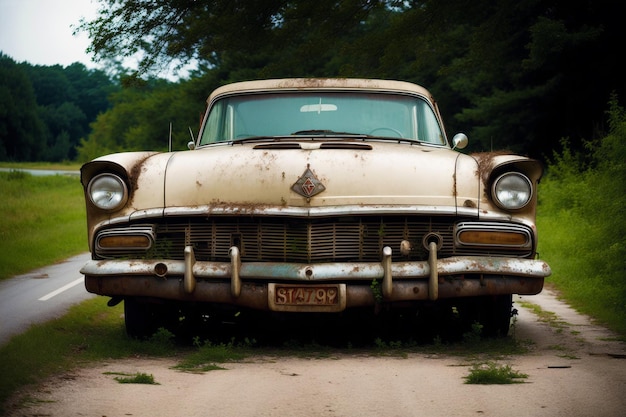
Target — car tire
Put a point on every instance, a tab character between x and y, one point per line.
493	313
142	318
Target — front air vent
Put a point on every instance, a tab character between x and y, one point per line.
279	145
314	145
346	145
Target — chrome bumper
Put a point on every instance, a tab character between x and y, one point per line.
245	284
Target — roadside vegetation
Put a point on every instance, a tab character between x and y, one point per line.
582	224
43	221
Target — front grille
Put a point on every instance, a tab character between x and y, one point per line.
275	239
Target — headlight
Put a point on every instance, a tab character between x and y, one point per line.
107	192
512	191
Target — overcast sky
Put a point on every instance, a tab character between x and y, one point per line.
40	31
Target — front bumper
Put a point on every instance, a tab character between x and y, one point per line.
246	284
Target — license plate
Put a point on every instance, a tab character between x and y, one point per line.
307	298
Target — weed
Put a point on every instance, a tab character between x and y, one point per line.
491	373
162	341
209	354
377	290
547	317
474	335
138	378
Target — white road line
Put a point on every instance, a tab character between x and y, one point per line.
60	290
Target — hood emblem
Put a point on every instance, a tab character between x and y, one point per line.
308	185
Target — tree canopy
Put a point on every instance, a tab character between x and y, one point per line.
512	74
46	110
516	75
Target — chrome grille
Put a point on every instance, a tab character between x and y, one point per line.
275	239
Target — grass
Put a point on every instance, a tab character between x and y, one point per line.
43	221
90	331
58	166
209	354
491	373
138	378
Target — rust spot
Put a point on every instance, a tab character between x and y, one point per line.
454	184
486	163
134	173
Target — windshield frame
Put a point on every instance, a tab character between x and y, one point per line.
429	115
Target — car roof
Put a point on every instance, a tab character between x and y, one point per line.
303	84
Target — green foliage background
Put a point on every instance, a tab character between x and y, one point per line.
43	221
46	110
582	224
512	75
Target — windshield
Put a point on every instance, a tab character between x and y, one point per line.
321	113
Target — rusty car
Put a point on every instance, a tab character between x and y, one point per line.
314	195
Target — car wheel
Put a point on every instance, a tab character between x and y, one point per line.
493	313
142	318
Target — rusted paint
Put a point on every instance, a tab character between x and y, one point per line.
133	175
485	162
255	295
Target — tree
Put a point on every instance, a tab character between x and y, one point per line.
214	32
517	75
67	100
140	118
20	128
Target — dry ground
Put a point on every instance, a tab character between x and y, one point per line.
574	369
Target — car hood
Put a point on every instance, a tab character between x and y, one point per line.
249	177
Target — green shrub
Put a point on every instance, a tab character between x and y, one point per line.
582	226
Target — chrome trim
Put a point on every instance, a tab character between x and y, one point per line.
433	278
140	230
386	263
189	280
314	211
205	210
492	227
348	271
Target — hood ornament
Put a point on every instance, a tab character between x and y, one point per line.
308	185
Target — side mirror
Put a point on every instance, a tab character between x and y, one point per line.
192	143
459	141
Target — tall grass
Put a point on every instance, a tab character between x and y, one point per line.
42	221
582	225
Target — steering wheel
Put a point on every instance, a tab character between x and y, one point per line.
389	129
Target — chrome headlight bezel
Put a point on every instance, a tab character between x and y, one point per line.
107	192
512	191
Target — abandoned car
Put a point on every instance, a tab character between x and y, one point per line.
314	195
